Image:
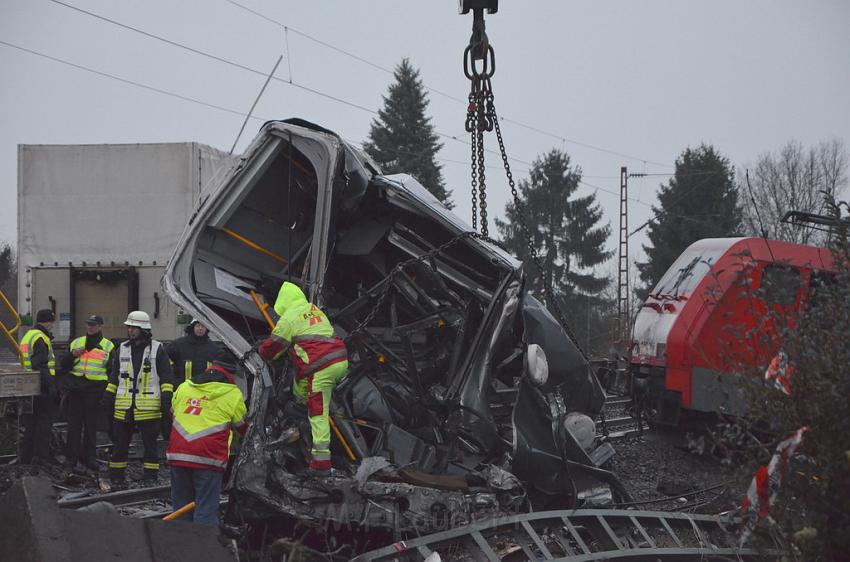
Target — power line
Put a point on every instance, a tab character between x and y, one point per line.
612	192
181	96
677	201
441	159
375	65
131	82
246	68
320	93
216	58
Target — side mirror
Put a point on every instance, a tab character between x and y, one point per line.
536	364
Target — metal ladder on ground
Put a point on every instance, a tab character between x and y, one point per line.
587	535
9	333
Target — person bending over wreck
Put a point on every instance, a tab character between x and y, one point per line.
206	408
320	360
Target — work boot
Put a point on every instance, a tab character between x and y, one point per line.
150	477
319	468
116	479
316	473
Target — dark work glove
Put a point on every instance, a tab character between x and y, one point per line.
166	425
46	384
165	404
107	401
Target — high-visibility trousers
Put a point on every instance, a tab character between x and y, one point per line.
316	391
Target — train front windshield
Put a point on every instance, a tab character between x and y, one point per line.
688	270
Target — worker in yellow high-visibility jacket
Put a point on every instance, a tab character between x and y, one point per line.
138	392
86	368
320	359
37	349
207	409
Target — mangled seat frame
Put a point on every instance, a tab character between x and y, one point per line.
438	420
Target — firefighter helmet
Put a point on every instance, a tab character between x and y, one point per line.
139	319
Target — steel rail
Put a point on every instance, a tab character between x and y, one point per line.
120	497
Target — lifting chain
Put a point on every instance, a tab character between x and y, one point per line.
474	160
549	296
478	114
480	117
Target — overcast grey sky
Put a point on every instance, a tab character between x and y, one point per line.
640	79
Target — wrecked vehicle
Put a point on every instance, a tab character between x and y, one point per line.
465	398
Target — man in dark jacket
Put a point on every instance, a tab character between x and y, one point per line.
139	391
86	369
37	349
193	353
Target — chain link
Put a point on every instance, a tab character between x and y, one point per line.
482	188
480	117
474	182
549	297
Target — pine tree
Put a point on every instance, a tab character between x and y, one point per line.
565	230
8	270
700	201
402	138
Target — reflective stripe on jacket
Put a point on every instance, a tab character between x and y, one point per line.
93	363
140	391
27	344
187	368
190	356
204	417
303	325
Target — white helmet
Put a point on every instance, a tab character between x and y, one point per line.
138	318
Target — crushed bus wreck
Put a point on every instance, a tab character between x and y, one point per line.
465	399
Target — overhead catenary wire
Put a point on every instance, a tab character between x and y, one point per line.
246	68
217	58
678	199
173	94
128	81
346	53
457	99
264	119
337	99
290	82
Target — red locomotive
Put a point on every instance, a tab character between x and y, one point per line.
712	317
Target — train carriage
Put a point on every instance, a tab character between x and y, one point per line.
715	316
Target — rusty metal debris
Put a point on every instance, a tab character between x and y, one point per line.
461	383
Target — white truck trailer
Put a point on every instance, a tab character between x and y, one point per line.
97	225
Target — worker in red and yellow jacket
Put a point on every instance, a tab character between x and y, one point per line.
320	361
207	409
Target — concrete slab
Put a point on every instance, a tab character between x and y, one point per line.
35	529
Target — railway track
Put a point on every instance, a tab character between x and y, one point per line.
619	427
129	497
617	400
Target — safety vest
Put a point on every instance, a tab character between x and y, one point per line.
93	363
141	391
314	345
204	417
27	344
